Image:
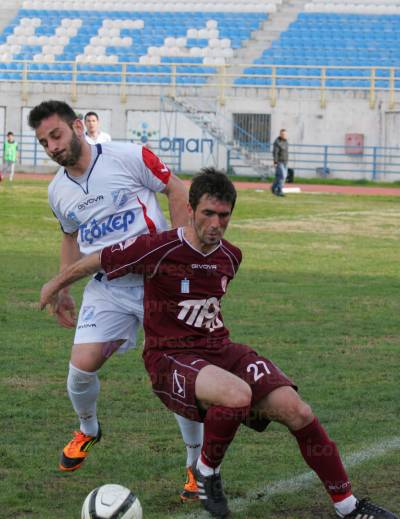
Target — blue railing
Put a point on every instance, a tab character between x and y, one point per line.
31	153
312	160
369	162
308	160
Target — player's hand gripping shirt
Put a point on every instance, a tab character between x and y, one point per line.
114	200
183	287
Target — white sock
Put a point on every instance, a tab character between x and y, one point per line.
83	388
205	470
346	506
192	434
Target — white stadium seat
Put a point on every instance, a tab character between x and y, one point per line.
170	42
211	24
227	53
213	33
195	51
181	42
225	43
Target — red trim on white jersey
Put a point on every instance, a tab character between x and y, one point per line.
149	222
155	165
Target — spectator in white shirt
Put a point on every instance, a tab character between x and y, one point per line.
93	134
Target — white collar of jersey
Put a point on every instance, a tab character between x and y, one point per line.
181	236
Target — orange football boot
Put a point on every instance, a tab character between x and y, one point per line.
77	450
190	490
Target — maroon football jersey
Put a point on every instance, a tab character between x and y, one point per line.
183	287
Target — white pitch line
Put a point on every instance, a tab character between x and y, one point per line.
300	482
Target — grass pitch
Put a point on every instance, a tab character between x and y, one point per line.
318	293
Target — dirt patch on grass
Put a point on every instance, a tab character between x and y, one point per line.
362	223
18	382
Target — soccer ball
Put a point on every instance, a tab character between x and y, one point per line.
111	501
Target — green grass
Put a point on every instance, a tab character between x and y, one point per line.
314	180
318	293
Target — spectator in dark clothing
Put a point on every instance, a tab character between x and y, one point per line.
280	154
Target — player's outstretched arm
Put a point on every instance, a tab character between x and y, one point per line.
177	194
78	270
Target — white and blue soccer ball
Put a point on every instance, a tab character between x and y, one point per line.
111	502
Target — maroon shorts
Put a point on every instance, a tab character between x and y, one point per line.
173	376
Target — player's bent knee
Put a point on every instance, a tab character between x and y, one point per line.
304	415
237	395
296	415
285	406
91	356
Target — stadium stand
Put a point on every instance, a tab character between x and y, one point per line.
186	41
336	37
148	37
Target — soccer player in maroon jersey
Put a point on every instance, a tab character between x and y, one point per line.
195	368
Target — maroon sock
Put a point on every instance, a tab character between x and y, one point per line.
220	426
322	455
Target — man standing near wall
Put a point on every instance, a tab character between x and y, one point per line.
93	134
280	155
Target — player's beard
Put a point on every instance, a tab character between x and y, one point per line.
204	237
73	154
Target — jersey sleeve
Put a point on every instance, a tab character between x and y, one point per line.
152	173
139	255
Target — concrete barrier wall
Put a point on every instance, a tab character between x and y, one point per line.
299	112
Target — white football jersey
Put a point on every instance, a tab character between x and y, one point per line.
101	138
114	200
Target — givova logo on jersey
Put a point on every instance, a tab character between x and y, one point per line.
201	313
89	202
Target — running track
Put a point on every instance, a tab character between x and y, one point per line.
306	188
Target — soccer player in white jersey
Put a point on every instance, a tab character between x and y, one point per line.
93	133
103	194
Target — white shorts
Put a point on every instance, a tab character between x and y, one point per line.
109	313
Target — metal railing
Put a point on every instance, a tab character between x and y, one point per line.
375	163
31	153
171	77
309	160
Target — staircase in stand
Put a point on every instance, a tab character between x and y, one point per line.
246	155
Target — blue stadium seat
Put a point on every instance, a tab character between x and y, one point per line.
158	26
10	76
334	39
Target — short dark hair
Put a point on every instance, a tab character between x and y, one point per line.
213	183
91	113
10	133
47	109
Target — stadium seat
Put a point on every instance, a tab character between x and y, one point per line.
177	31
336	37
334	34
